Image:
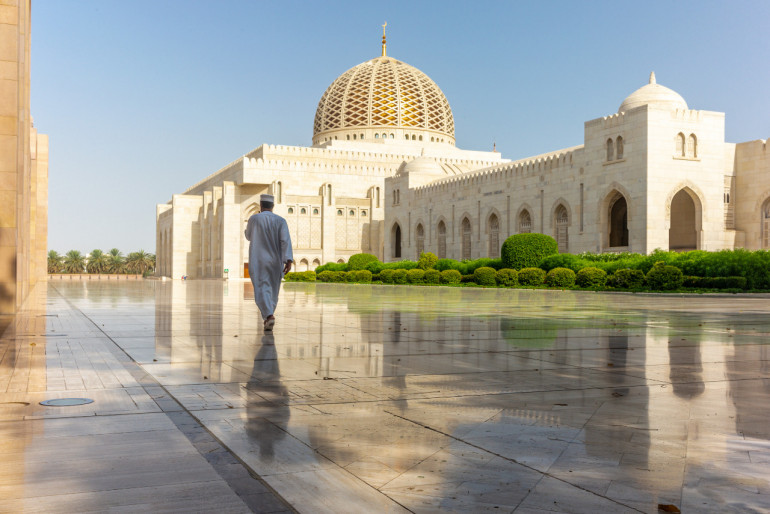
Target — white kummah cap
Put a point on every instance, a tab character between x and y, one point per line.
267	198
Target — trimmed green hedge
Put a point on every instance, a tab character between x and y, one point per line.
360	260
451	276
300	276
527	250
591	277
664	277
626	279
485	276
560	277
415	276
432	276
507	277
531	277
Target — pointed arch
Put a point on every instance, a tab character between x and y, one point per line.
765	224
441	236
493	233
466	229
610	150
684	214
524	219
613	193
419	233
679	145
692	146
619	147
395	240
561	218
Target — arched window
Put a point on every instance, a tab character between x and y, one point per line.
303	265
384	136
441	240
618	224
279	196
420	138
315	211
316	263
679	150
766	225
466	231
376	136
692	146
525	222
339	212
610	150
431	139
684	223
340	261
303	211
362	136
394	197
363	214
348	137
392	136
562	228
619	148
377	195
291	210
420	240
352	212
406	136
396	241
494	236
414	137
354	137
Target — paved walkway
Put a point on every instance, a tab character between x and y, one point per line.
383	398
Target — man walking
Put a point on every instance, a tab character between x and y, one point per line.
270	257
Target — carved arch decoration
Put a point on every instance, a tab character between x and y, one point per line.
555	206
691	189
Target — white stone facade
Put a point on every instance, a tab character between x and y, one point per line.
657	175
384	177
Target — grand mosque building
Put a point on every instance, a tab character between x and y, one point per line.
383	176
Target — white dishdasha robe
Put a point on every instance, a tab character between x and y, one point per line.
269	249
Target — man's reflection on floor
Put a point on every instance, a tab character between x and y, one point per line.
267	405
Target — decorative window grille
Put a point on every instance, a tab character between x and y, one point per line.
494	237
466	228
441	240
562	226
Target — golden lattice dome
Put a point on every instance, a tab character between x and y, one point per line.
387	98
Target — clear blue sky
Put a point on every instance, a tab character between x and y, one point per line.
142	99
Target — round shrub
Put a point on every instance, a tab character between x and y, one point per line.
527	250
325	276
507	277
386	276
468	279
339	276
350	276
427	261
415	276
432	276
531	277
626	279
560	277
332	266
399	276
361	276
360	260
591	277
485	276
664	278
451	276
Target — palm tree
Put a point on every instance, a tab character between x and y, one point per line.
97	262
115	262
54	262
140	262
74	262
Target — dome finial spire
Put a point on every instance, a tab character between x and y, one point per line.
652	77
384	44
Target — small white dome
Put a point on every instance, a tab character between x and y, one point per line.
422	164
654	94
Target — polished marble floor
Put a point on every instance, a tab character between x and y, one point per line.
384	399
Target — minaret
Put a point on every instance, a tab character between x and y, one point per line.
652	73
384	44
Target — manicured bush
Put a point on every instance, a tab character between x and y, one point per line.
483	262
527	250
715	282
485	276
339	276
562	260
427	261
447	264
332	266
467	279
507	277
432	276
591	277
415	276
324	276
560	277
360	276
531	277
626	279
663	277
451	276
300	276
350	276
386	276
360	260
399	276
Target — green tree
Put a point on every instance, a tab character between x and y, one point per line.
140	262
54	262
98	262
74	262
115	262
